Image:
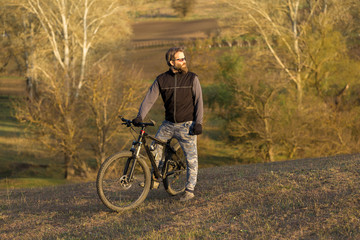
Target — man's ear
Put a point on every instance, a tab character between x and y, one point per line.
172	63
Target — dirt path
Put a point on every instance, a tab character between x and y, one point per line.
149	32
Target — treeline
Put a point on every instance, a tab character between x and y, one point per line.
71	54
295	93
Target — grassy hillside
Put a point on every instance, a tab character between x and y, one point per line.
300	199
20	157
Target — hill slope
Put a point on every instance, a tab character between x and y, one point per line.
300	199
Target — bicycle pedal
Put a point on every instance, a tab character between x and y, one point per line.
154	185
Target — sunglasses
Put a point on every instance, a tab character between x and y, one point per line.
180	59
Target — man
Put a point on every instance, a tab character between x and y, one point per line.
182	96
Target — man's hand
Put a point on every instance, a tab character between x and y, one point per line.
136	121
196	129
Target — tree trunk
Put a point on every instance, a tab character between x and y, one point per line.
69	170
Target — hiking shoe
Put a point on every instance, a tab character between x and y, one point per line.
187	196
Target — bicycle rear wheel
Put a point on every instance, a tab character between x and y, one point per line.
116	189
175	179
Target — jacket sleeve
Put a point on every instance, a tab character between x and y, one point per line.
149	100
198	101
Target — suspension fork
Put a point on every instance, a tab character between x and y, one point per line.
135	154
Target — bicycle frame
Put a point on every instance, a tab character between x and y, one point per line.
136	147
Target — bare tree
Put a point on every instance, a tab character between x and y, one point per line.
110	95
72	30
255	125
249	104
285	27
18	28
307	42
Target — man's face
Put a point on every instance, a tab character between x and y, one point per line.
180	62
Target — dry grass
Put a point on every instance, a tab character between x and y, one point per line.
300	199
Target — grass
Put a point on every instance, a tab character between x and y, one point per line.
299	199
10	183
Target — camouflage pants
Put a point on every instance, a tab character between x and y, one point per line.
180	131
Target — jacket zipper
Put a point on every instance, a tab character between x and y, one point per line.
175	99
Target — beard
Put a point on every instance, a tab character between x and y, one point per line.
181	68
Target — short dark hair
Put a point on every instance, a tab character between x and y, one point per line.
170	54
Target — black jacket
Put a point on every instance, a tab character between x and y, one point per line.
181	94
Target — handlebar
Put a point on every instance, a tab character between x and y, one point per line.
128	123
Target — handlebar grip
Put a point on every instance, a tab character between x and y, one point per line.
128	122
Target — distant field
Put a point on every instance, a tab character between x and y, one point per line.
12	86
152	39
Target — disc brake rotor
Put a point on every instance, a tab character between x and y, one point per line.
124	182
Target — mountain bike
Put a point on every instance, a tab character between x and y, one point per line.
125	179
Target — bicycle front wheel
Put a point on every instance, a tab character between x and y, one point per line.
175	179
117	188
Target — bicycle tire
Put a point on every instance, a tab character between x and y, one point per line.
113	188
175	179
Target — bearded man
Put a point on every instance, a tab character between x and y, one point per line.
182	96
